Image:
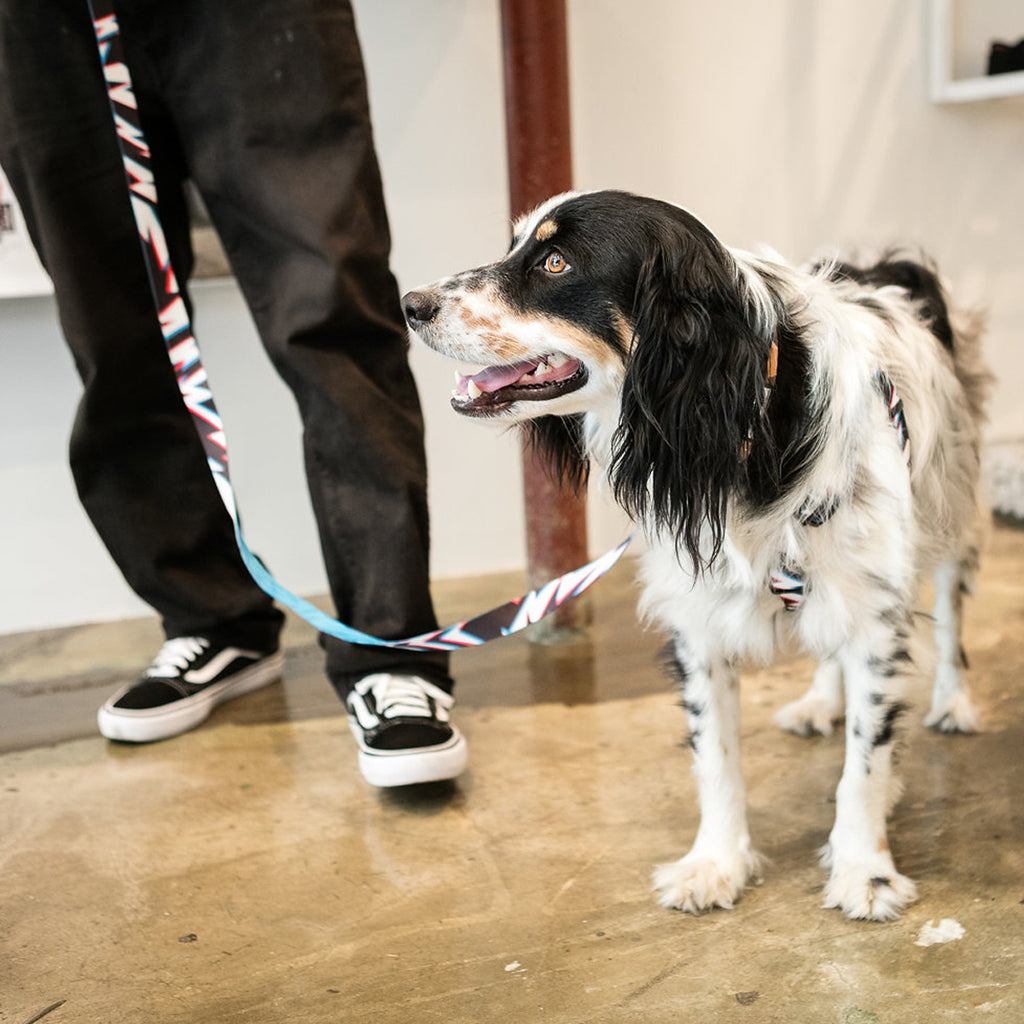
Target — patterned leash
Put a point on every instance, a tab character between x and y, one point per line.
195	391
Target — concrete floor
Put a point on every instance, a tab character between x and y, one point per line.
244	872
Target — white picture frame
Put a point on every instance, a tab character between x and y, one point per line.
944	85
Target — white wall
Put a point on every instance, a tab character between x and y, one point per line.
801	123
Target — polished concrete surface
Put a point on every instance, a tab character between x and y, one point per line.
245	872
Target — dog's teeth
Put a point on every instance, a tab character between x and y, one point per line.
458	378
541	367
557	360
474	391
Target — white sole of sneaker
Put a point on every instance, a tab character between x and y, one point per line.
150	724
414	766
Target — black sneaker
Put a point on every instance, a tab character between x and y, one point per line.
402	728
189	677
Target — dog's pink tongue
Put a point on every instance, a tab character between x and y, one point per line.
495	377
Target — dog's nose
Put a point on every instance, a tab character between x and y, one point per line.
419	307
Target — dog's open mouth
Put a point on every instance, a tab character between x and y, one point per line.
495	388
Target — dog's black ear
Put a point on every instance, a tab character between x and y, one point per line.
560	440
693	395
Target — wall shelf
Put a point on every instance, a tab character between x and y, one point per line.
943	85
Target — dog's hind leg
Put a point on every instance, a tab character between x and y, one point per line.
952	709
864	882
817	711
722	860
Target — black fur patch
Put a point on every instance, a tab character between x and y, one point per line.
560	438
777	464
675	666
896	662
600	238
680	673
917	279
886	729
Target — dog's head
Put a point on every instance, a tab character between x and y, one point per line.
612	304
550	322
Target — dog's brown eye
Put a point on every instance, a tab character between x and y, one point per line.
555	263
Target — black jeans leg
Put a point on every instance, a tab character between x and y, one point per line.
270	101
136	459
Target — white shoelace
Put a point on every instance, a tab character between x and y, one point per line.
405	697
176	655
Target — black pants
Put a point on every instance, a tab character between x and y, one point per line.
262	103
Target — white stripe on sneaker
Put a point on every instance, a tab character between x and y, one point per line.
216	665
365	718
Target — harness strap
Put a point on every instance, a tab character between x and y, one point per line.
193	384
894	405
786	583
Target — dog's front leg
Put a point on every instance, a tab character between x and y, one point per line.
864	881
722	860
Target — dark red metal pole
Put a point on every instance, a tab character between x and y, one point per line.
535	46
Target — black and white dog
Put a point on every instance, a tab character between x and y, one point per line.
798	445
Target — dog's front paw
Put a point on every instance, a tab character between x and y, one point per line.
875	892
697	883
953	714
810	715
